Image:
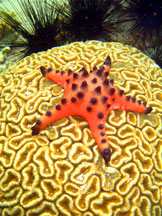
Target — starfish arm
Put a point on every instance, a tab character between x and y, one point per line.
97	127
121	102
59	77
61	110
135	106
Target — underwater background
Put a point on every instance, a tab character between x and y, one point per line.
54	164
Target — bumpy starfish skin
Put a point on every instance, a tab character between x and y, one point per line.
92	96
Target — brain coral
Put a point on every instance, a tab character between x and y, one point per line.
61	171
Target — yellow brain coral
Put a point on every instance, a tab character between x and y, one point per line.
61	171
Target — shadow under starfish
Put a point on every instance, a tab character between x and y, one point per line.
92	96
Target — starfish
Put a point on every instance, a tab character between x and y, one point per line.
92	96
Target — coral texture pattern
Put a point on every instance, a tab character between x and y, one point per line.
60	171
92	96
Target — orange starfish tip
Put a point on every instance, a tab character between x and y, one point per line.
107	62
35	129
106	153
44	71
148	110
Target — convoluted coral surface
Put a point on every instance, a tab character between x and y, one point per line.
61	171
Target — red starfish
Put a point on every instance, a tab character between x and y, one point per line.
92	96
